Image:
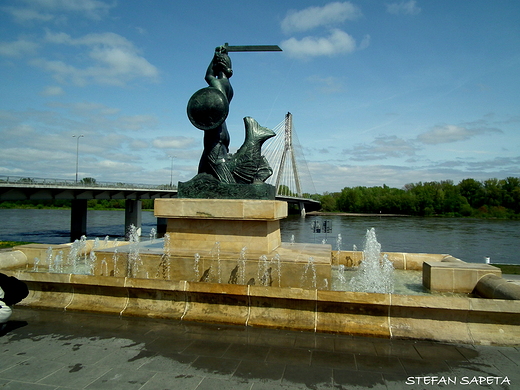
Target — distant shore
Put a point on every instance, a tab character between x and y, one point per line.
356	214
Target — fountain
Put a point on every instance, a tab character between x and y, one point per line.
257	292
375	273
222	259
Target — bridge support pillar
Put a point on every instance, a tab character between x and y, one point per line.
302	208
78	219
133	215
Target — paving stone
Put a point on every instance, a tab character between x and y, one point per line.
273	386
310	377
207	348
402	349
169	344
420	367
350	379
223	384
129	358
247	352
76	374
314	341
164	380
437	351
172	364
341	360
379	364
355	345
31	370
289	356
211	366
259	371
273	338
121	378
17	385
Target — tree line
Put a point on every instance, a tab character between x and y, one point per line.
492	198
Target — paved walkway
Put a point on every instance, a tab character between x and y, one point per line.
45	349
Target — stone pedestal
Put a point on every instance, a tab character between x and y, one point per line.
458	277
197	224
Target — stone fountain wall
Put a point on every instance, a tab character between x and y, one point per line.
451	319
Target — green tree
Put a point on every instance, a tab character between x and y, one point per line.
328	202
473	191
492	192
511	193
88	181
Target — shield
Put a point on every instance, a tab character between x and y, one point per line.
208	108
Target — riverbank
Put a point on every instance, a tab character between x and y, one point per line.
323	213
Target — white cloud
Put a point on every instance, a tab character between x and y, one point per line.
365	42
312	17
18	48
56	10
403	8
52	91
24	15
451	133
337	42
114	60
381	148
137	122
326	85
174	142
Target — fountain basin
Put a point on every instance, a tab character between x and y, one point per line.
450	319
152	292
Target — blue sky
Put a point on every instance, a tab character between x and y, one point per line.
381	92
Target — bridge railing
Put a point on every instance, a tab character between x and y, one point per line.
25	181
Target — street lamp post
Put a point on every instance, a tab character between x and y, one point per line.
171	172
77	153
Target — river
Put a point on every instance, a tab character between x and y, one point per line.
468	239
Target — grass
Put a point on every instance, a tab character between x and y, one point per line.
511	269
10	244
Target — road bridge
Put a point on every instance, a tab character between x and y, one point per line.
17	188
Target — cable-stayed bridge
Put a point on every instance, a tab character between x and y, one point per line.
291	178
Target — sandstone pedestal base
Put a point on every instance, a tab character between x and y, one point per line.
459	277
197	224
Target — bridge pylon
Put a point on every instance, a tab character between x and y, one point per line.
288	150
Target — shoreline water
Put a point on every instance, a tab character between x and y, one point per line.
328	213
470	239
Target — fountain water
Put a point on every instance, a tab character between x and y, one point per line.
277	260
309	267
242	266
215	255
196	262
36	264
164	266
134	258
375	273
115	257
264	272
